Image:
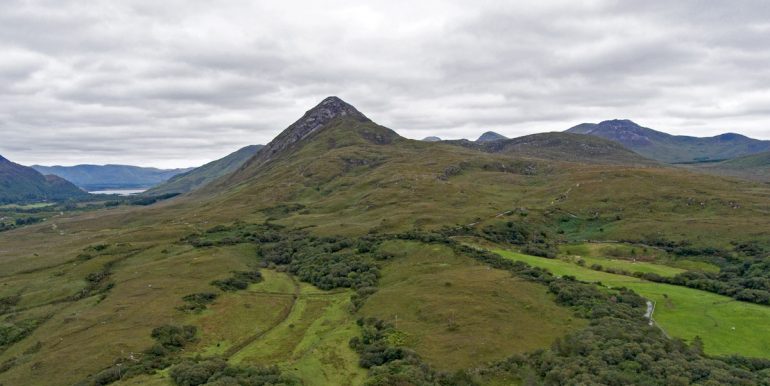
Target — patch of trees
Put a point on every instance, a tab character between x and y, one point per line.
746	281
170	340
8	302
240	280
197	302
613	351
21	221
390	364
327	262
532	241
215	371
236	233
13	331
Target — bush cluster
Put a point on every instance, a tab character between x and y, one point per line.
217	372
197	302
239	281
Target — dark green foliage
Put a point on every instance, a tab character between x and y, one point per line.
8	302
391	365
217	372
236	233
27	220
747	281
197	302
149	200
619	352
170	340
323	261
533	241
14	331
239	281
174	337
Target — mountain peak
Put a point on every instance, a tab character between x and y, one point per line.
490	136
312	121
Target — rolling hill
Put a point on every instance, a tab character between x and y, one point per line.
672	148
198	177
21	184
753	167
340	254
100	177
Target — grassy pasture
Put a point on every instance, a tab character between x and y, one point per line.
726	326
633	258
308	336
457	313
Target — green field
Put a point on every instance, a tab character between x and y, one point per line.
457	313
632	258
308	337
726	326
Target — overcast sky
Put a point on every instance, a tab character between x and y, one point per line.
176	83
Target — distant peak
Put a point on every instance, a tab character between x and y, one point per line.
730	136
431	139
490	136
332	107
619	123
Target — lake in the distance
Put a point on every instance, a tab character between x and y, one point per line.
122	192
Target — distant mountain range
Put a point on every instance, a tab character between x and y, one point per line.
672	148
99	177
562	147
489	136
24	184
195	178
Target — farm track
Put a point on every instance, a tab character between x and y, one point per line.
284	315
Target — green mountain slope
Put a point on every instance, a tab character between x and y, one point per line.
195	178
672	148
23	184
97	177
346	220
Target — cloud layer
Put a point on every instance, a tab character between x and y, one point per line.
178	83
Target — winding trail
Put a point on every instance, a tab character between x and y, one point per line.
284	315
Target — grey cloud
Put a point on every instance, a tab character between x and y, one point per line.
178	83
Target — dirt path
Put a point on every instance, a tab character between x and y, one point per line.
284	315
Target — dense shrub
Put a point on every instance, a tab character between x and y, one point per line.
239	281
216	371
197	302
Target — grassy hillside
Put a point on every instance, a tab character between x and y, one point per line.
195	178
753	167
672	148
20	184
97	177
90	289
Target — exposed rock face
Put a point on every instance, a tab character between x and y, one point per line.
313	120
